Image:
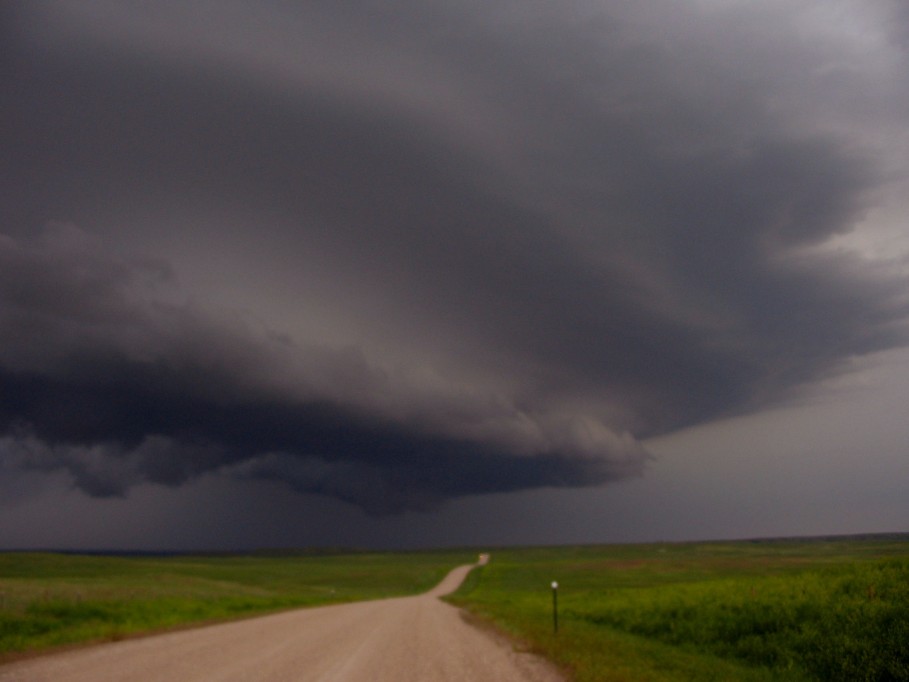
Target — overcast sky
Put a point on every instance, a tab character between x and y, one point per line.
420	273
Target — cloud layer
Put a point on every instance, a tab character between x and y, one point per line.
103	375
408	253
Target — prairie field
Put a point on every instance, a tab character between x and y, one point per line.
48	600
826	609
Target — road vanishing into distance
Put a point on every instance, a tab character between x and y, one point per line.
406	639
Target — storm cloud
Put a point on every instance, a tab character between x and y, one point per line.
401	253
106	377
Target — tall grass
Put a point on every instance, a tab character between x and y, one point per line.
847	623
730	611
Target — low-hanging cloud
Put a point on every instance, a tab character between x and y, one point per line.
541	234
104	378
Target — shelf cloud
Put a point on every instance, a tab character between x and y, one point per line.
399	253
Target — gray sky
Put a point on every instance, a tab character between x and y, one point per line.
409	273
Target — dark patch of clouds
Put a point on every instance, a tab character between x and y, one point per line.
118	388
610	220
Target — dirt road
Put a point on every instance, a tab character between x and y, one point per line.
409	639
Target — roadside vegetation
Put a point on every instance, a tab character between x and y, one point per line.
48	600
755	611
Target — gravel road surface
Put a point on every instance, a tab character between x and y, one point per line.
406	639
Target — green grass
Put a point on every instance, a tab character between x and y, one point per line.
49	600
753	611
797	611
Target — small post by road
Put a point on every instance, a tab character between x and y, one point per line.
555	607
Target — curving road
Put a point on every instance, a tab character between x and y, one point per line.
407	639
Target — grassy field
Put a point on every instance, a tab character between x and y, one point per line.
757	611
754	611
49	600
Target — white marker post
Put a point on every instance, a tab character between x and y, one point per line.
555	607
